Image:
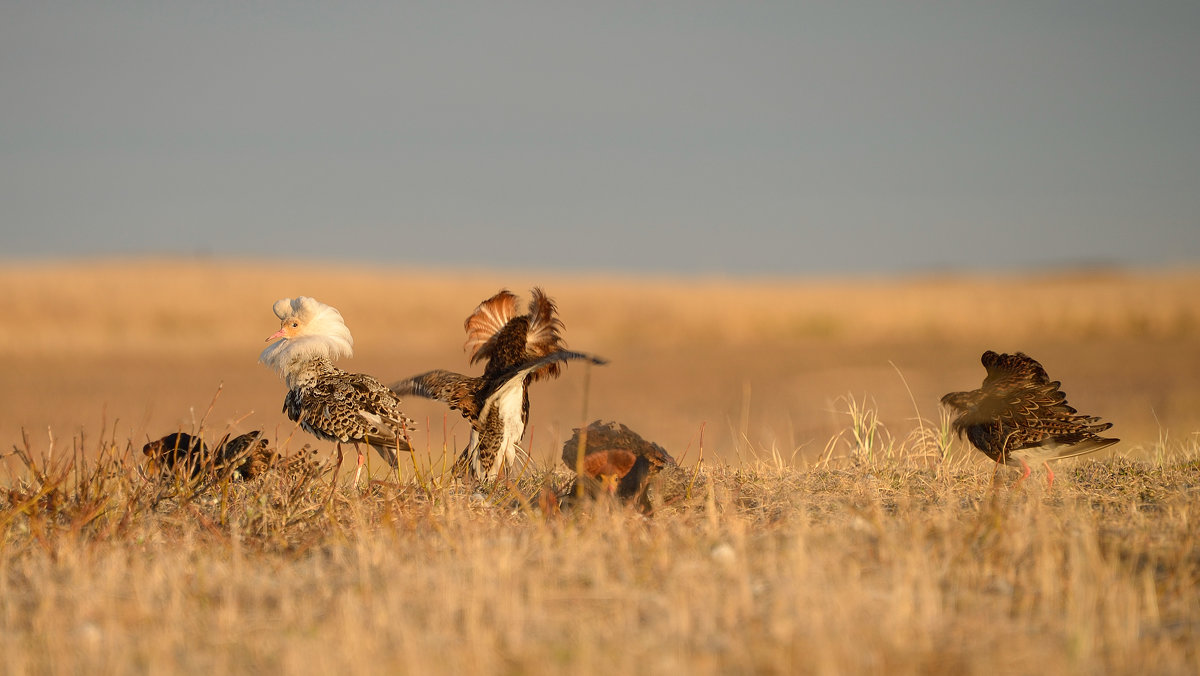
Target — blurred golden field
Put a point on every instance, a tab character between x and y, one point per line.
831	529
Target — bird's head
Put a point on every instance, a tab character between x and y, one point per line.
308	328
608	468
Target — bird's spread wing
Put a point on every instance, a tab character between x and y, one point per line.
497	385
455	389
486	321
1017	367
496	333
542	337
1042	417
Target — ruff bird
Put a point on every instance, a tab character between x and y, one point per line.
497	408
616	461
329	403
518	349
1019	416
248	454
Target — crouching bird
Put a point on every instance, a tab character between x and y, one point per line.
247	455
616	461
1020	416
329	403
519	349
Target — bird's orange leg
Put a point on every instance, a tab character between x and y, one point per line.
1049	476
361	459
1024	475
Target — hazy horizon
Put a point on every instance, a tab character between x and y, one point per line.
743	139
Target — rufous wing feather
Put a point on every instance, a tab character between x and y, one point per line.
543	336
486	321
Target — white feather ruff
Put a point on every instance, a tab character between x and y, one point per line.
322	333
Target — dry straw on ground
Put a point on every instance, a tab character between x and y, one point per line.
897	560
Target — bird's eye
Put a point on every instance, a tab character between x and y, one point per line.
295	324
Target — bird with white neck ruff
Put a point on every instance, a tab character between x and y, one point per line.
330	403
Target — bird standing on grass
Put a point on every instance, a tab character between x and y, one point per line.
1019	416
519	350
328	402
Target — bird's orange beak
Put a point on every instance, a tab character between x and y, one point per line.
277	334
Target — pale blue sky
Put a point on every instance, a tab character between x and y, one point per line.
740	137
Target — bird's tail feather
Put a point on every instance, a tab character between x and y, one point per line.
1084	447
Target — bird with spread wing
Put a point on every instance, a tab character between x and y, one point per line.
329	403
518	349
1019	416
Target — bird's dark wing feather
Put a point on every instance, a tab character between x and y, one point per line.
497	384
454	389
1017	367
542	337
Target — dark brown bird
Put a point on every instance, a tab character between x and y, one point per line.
617	461
518	350
1019	416
247	454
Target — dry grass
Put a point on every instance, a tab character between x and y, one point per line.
840	529
887	558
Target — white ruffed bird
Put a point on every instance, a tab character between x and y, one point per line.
328	402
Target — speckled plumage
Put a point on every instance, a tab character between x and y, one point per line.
342	407
326	401
606	452
1019	415
248	455
497	403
